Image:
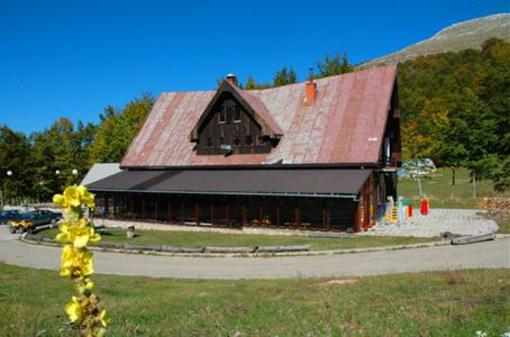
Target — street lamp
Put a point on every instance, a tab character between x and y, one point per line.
57	172
9	174
75	172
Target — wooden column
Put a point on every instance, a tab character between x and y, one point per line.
327	219
106	206
357	218
169	211
244	215
211	212
261	213
197	216
226	215
278	215
182	211
297	216
132	206
156	210
143	209
114	200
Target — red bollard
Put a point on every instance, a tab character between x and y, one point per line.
410	211
424	207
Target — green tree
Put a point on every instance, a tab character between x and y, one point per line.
117	130
336	65
284	76
14	151
251	84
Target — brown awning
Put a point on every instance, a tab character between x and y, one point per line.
312	182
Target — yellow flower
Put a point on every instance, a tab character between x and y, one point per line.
59	201
76	263
77	234
74	310
85	285
103	318
72	196
87	198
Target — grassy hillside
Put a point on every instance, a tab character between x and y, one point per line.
438	189
463	35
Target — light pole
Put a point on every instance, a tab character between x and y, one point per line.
9	174
75	174
57	173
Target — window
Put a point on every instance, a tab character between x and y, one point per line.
222	116
237	141
249	140
260	140
237	115
208	142
221	140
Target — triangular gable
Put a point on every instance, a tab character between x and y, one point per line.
253	105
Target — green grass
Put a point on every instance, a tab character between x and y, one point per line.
504	226
201	239
438	189
427	304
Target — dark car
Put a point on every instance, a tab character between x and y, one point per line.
33	219
6	216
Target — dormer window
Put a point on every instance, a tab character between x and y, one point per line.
237	115
222	116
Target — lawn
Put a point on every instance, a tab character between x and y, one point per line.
455	303
202	239
438	189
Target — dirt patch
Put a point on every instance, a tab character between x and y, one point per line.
341	281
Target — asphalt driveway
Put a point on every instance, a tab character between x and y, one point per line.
492	254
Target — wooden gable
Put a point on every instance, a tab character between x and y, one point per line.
234	123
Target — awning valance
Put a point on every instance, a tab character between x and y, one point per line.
339	183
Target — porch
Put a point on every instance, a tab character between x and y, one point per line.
230	211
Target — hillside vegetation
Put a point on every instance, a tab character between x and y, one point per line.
455	110
469	34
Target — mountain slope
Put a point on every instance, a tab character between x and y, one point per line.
462	35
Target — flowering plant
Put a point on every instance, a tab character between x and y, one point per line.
75	233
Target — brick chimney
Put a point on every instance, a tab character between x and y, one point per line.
311	88
232	79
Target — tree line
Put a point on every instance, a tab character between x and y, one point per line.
42	163
455	110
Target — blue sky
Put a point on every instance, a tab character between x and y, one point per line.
72	58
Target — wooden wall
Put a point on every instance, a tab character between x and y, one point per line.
228	123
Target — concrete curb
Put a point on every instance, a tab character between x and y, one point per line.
261	254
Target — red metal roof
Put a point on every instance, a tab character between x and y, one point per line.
345	124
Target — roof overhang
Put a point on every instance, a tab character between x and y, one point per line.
318	183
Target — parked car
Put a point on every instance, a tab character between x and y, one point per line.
6	216
424	167
29	220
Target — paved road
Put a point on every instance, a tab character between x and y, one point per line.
493	254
